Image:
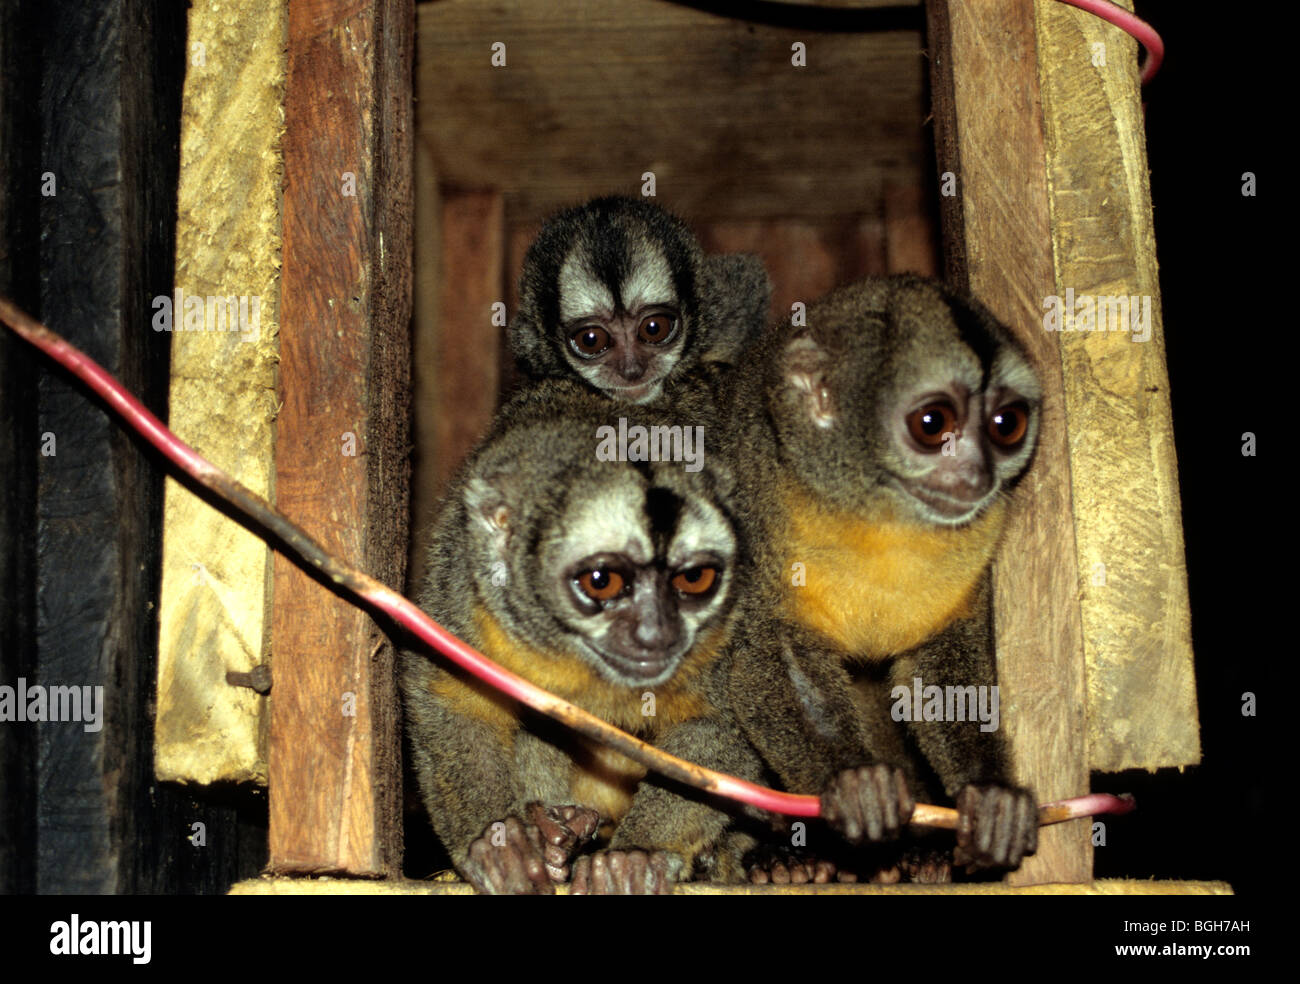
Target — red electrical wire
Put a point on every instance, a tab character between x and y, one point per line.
1131	24
374	596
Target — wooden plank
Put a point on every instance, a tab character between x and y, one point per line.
424	347
1128	516
461	360
316	886
104	94
592	96
803	259
216	580
910	242
345	307
467	362
986	54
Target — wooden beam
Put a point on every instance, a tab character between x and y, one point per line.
989	133
216	580
341	460
101	100
1117	886
1128	516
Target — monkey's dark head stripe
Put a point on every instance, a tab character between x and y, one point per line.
979	331
663	507
610	235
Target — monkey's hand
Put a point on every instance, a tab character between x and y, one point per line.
562	831
871	803
508	860
997	826
626	873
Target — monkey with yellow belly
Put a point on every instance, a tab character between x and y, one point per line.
612	585
879	445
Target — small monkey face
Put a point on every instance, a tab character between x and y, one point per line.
660	574
642	612
954	446
623	337
959	448
627	354
899	386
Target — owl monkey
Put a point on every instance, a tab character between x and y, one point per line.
879	446
618	293
612	584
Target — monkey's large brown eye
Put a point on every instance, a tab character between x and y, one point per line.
657	328
929	424
1007	426
695	581
589	341
601	584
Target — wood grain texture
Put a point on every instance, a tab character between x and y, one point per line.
425	489
911	245
1142	709
804	259
593	95
216	582
346	301
468	354
1007	245
460	358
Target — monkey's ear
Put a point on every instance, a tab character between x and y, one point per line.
488	507
734	300
804	368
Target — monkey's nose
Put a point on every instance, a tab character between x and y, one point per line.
658	634
630	365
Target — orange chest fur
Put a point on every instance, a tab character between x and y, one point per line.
874	585
601	779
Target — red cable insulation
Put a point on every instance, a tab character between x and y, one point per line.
408	615
1132	24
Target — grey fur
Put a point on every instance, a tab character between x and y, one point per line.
509	513
820	411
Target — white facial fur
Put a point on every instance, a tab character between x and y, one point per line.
582	294
650	282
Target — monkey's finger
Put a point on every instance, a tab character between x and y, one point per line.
639	879
581	876
664	868
581	821
1000	814
526	857
1026	840
906	805
598	880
